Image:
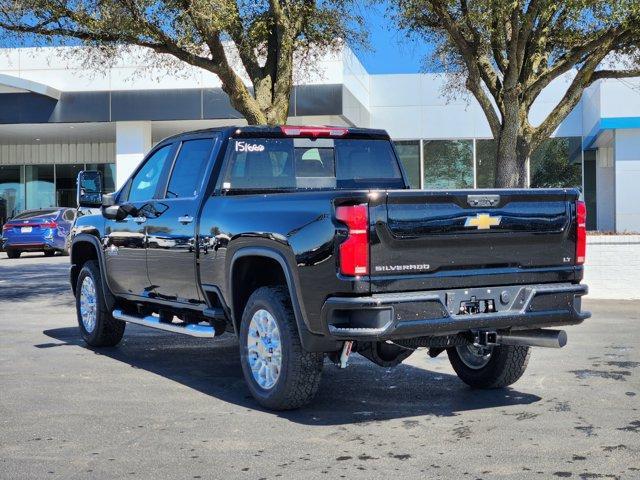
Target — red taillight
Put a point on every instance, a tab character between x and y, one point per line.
581	232
6	226
354	251
50	224
293	131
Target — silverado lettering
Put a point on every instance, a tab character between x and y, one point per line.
400	268
313	247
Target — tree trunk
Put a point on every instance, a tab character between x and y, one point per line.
509	165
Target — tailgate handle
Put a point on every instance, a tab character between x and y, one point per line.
483	200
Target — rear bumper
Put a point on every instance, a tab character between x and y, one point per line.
435	313
35	246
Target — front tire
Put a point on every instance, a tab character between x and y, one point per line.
97	327
498	367
280	374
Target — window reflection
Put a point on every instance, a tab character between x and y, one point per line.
557	164
409	153
448	164
11	191
66	179
40	187
486	163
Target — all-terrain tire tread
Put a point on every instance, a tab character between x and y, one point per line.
515	363
305	372
507	365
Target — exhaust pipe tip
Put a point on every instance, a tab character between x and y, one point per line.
562	338
534	338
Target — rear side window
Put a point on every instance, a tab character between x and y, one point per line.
285	164
188	169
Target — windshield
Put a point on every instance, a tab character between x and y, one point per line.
301	163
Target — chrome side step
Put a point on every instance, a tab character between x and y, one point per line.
191	329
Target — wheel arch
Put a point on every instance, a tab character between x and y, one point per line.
239	294
85	247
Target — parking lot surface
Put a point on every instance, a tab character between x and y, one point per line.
162	405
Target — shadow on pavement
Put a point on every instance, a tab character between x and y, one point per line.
25	282
363	392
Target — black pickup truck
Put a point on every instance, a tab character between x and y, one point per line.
306	242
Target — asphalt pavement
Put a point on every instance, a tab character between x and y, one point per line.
162	405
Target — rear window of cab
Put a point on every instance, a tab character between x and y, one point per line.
303	163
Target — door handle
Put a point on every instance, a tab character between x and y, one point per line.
140	219
185	219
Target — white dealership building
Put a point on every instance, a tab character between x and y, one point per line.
58	116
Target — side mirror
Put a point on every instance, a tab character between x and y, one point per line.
89	189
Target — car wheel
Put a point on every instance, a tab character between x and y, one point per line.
280	374
97	327
489	367
13	253
49	253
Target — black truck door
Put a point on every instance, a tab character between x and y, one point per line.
171	231
125	240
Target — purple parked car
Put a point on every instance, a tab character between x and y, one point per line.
45	230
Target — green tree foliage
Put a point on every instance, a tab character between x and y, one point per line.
505	52
266	36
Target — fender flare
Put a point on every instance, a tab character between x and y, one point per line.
310	341
109	298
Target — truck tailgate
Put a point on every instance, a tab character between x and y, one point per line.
417	234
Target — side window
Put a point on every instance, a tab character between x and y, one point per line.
143	185
260	163
188	169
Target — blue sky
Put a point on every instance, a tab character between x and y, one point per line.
391	51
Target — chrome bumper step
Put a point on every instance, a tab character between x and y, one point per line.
191	329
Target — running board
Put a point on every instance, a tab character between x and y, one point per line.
191	329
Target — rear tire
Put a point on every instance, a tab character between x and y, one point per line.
290	377
505	366
13	253
49	253
97	327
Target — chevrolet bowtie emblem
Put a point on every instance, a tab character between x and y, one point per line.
483	221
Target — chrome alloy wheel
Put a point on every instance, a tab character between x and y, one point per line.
264	350
474	357
88	304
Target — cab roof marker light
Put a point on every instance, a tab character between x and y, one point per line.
315	132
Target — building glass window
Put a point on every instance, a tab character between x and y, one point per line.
486	151
11	191
40	186
590	196
108	171
448	164
66	179
557	164
409	153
